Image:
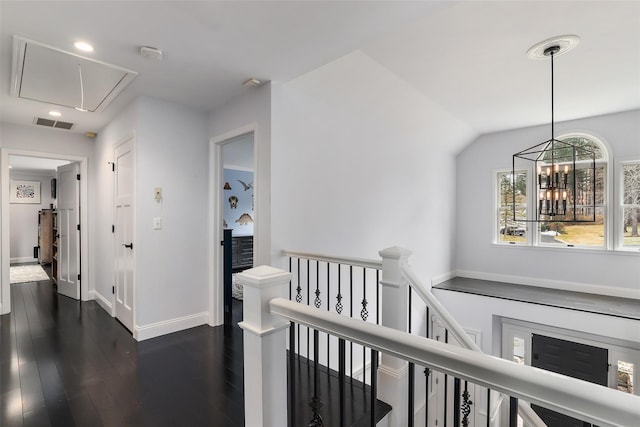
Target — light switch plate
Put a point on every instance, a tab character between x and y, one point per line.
157	223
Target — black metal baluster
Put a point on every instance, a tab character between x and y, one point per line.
292	375
328	309
298	289
427	372
364	313
341	379
410	403
339	305
513	412
456	402
374	385
488	407
298	300
351	315
317	302
466	405
316	403
308	303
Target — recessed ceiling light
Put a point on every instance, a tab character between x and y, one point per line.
83	46
55	113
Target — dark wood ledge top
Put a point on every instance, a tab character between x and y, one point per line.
628	308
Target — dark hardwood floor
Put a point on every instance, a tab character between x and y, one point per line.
68	363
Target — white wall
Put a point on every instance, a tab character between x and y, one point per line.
116	132
606	272
253	109
360	162
172	265
24	217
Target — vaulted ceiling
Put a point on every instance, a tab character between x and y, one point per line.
468	57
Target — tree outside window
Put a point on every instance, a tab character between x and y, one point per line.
512	228
589	234
631	205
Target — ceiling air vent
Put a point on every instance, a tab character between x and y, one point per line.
52	123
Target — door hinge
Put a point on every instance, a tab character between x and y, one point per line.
78	227
113	290
78	277
113	228
113	166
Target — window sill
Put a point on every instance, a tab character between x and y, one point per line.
575	249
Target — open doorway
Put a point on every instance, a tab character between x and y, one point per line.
234	216
30	196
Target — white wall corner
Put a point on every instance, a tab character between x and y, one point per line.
436	280
145	332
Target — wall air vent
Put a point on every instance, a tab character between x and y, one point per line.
52	123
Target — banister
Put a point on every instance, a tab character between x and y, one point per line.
356	262
570	396
449	321
530	417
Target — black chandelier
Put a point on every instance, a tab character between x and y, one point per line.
565	172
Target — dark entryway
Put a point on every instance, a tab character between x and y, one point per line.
575	360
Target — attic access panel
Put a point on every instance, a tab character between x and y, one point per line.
46	74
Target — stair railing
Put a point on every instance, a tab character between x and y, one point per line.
529	416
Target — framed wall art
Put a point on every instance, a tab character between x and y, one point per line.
24	192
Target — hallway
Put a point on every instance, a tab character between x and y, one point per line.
68	363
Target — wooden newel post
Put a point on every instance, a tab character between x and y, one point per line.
265	363
393	372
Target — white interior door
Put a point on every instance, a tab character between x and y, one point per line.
68	224
124	259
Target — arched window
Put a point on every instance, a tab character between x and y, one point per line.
589	234
514	221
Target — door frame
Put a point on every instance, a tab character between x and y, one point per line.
5	288
216	215
616	348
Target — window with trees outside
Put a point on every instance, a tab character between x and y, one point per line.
587	234
510	230
630	205
512	227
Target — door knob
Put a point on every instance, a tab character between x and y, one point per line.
130	245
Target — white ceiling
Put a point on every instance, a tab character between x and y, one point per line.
35	164
468	57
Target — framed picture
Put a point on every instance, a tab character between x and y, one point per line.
24	192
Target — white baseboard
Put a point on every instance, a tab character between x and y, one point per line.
102	302
553	284
157	329
22	260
